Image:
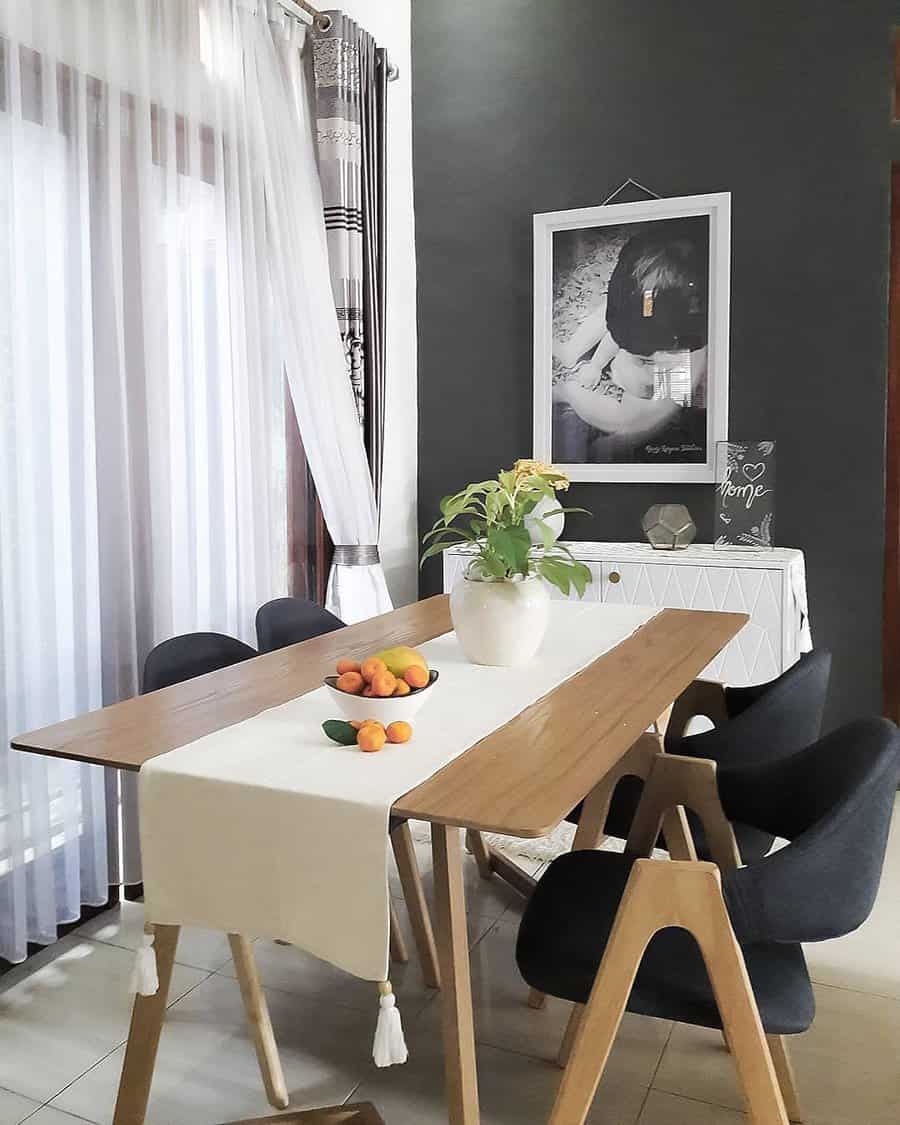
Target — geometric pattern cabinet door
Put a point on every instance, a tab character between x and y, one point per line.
756	653
768	585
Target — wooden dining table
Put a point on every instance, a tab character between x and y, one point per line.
521	780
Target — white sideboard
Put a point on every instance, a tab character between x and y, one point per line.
769	585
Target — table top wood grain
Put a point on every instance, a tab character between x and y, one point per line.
521	780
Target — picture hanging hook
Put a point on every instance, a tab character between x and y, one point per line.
630	182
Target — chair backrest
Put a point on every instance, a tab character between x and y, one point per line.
770	720
192	654
833	801
288	621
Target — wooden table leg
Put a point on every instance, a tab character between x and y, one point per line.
414	894
399	952
147	1017
456	987
260	1023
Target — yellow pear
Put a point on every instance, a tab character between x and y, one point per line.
400	658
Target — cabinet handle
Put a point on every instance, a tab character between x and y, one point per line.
614	576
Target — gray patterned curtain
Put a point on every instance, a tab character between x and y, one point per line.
350	74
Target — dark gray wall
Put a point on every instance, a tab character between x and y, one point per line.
537	105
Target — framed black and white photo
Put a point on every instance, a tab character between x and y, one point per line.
631	304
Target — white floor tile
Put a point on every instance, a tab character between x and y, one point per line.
847	1063
123	925
63	1010
206	1069
291	970
513	1090
15	1108
50	1116
669	1109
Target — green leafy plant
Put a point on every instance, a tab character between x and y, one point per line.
490	515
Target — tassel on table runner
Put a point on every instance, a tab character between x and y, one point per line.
389	1048
144	978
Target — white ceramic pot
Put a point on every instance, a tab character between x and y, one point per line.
556	522
500	623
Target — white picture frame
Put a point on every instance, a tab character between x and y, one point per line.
612	451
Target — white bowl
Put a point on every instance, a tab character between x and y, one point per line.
357	708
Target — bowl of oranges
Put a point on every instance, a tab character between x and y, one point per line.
391	686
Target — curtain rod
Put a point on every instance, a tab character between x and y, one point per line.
303	10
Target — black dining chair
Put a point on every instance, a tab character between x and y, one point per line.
288	621
763	723
716	945
192	654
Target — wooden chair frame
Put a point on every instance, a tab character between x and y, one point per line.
638	762
687	894
702	697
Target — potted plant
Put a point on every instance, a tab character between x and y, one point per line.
500	604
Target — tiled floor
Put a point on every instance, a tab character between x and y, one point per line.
64	1016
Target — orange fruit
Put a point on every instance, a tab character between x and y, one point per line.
355	723
415	676
370	723
402	688
371	667
348	666
370	738
398	732
367	691
383	683
351	682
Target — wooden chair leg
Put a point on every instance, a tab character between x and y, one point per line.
491	862
461	1076
414	894
475	842
568	1040
399	952
147	1017
658	895
599	1023
590	832
260	1023
786	1079
536	999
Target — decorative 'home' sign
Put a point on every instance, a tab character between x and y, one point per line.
745	493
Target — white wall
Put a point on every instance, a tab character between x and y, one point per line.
389	22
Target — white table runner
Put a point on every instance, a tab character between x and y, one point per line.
267	829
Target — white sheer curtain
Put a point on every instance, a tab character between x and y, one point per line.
282	121
142	464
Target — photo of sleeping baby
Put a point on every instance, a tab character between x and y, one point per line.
630	343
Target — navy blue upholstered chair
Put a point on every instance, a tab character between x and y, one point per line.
755	724
288	621
192	654
680	940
